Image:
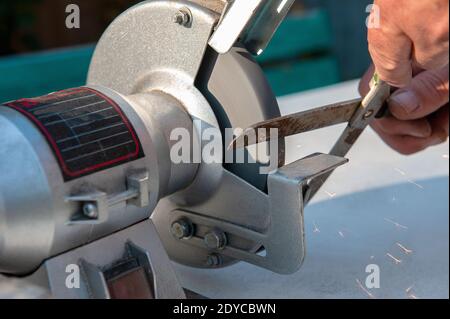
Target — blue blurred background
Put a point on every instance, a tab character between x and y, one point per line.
321	43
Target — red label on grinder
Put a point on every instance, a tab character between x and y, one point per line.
87	131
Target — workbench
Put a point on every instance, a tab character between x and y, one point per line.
382	208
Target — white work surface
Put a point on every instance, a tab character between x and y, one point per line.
380	203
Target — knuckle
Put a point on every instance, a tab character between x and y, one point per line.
438	35
394	70
382	61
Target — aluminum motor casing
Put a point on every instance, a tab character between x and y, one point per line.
34	212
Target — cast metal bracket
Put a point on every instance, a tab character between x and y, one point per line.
283	240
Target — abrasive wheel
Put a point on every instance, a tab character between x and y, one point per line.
239	93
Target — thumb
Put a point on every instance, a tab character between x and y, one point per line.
427	93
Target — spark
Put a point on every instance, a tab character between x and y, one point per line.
400	171
409	289
341	234
396	260
330	194
299	146
316	229
405	250
415	184
409	293
395	223
364	289
408	180
445	156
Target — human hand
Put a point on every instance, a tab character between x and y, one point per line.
419	113
410	51
410	33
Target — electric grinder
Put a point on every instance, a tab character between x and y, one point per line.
87	176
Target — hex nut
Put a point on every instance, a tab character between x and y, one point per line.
214	260
182	228
215	239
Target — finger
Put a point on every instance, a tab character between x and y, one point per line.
390	125
416	128
432	57
416	69
428	92
440	122
390	48
429	33
407	145
364	83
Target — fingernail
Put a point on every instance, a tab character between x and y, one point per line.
407	100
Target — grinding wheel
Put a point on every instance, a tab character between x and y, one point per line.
237	90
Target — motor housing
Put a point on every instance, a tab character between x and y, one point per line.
81	164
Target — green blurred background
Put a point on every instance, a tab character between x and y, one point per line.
321	43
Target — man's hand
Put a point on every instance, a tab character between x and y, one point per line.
410	52
419	113
410	33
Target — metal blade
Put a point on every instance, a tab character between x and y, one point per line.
372	106
298	123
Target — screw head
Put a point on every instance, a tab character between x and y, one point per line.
181	229
214	260
90	210
215	239
183	17
368	114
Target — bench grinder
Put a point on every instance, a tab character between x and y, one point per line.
87	178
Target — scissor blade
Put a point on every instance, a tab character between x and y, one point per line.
297	123
372	106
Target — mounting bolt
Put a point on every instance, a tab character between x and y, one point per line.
214	260
182	228
215	239
90	210
183	17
